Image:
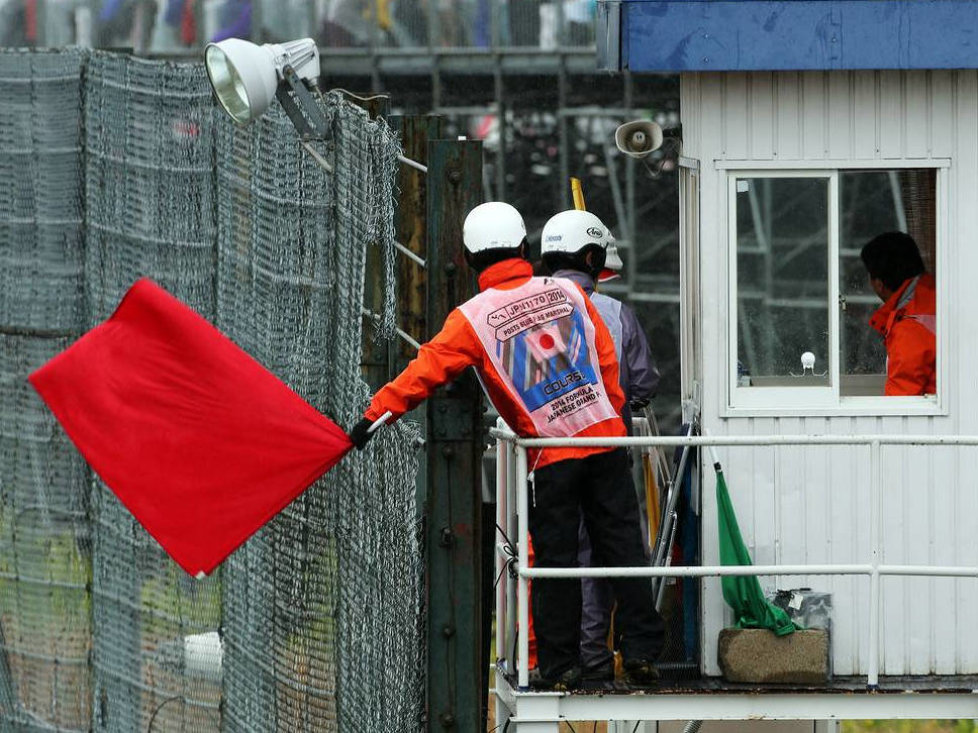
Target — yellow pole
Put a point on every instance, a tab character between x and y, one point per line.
652	508
578	192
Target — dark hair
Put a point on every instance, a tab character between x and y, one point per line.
577	260
479	261
540	269
892	257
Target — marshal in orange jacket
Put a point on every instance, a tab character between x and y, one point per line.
458	346
907	323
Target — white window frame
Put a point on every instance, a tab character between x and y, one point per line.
690	289
827	401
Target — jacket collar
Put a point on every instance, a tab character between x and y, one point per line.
581	278
884	317
511	269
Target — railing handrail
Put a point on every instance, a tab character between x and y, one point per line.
717	571
672	441
512	476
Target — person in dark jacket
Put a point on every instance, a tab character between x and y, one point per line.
574	246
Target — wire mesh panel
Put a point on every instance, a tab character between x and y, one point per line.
322	605
45	565
150	181
316	623
41	248
379	616
150	212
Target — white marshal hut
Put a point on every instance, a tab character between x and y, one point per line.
809	127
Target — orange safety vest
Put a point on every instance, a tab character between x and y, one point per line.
907	323
564	394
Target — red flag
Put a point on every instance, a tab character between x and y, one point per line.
200	442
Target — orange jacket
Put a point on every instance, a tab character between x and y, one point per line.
457	347
907	323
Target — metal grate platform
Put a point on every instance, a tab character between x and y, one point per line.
844	698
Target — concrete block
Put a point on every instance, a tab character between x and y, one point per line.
758	656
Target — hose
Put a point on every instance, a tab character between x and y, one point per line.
693	726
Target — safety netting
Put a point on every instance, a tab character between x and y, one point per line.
112	168
45	536
323	633
149	194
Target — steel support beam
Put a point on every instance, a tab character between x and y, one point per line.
415	131
457	632
542	711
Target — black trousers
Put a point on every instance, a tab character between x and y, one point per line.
599	488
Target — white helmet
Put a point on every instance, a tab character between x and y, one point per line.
613	260
571	231
493	225
612	263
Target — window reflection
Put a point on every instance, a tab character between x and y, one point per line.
886	337
782	281
871	203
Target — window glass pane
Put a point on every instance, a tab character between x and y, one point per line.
871	203
782	281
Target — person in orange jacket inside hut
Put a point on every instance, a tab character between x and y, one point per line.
906	320
548	363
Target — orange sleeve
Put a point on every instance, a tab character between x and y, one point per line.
438	362
605	347
910	360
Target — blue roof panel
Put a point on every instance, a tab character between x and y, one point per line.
746	35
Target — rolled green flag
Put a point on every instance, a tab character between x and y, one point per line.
743	593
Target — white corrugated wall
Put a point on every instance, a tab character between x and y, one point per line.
813	504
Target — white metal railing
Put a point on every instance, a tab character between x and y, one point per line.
511	486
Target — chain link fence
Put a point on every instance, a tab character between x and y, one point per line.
112	168
45	537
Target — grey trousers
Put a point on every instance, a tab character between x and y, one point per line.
597	601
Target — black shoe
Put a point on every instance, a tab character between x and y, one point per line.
641	673
600	674
569	679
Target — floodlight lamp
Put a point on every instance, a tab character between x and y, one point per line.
245	76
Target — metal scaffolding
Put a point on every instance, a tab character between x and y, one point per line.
521	76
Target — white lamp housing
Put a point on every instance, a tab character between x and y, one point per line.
245	76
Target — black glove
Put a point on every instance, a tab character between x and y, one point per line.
639	405
361	433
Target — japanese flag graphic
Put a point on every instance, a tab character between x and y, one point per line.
546	342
